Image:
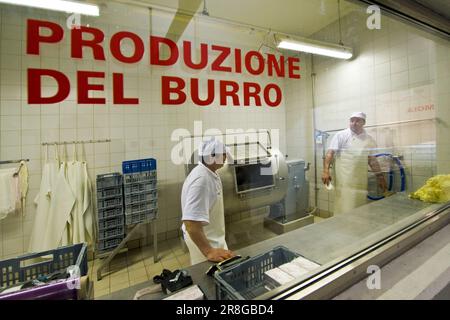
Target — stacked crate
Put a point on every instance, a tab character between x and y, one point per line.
140	191
111	224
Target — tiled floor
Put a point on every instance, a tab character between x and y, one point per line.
137	265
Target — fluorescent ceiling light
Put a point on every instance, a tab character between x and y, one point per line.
58	5
317	47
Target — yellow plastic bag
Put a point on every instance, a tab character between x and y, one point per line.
435	190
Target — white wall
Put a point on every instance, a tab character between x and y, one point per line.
135	131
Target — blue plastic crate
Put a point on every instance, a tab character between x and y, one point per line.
33	265
140	165
246	280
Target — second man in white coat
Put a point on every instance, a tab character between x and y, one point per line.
352	149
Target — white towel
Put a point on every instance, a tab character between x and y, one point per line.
8	191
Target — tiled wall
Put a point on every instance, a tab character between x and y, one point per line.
398	73
135	131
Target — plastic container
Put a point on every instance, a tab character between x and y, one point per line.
140	197
139	177
30	266
105	245
140	187
139	165
138	207
246	280
109	180
109	192
111	223
109	202
111	233
110	213
140	217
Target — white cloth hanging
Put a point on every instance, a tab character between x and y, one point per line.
8	192
59	216
81	223
43	201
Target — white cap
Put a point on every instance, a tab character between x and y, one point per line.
213	146
361	115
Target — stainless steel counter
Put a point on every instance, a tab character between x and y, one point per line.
322	242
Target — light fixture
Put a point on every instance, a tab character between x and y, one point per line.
316	47
58	5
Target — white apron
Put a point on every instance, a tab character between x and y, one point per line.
214	232
43	201
63	200
81	222
351	176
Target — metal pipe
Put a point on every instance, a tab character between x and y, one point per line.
74	142
313	81
389	124
13	161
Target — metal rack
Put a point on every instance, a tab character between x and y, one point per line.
140	204
13	161
74	142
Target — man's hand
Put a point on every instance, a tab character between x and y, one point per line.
219	254
326	177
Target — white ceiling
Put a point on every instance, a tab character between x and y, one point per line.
300	17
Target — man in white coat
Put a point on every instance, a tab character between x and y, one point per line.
202	206
352	148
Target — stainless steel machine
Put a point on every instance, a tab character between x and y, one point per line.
292	211
252	180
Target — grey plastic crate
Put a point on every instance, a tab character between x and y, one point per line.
141	217
140	187
105	234
32	265
110	212
143	206
139	177
109	192
140	197
109	180
246	280
111	223
105	245
109	202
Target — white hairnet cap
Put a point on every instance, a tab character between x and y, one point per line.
213	146
361	115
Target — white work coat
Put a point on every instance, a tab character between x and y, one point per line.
351	167
202	200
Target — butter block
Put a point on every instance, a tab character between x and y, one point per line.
305	263
190	293
293	269
278	276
